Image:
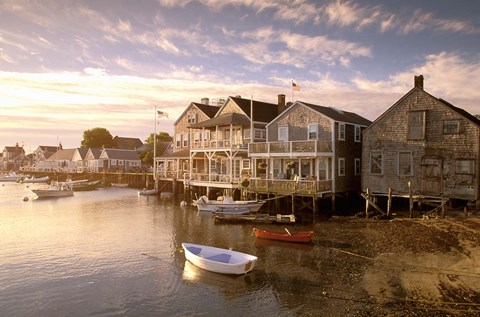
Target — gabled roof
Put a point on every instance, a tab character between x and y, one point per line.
337	114
461	111
262	111
14	149
82	152
95	152
120	154
223	119
48	148
127	143
208	110
185	153
62	155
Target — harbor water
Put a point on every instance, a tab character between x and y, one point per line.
110	252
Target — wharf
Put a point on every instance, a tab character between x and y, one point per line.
255	218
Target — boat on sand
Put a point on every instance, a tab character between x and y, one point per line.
286	235
219	260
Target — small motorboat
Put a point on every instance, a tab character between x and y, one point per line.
219	260
11	177
286	235
33	179
56	189
227	205
147	192
82	184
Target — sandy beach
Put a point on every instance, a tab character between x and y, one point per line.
401	267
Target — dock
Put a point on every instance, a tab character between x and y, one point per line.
255	218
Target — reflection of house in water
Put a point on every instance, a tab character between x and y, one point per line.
423	146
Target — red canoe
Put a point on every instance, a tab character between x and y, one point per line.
299	236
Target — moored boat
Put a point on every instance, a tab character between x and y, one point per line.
227	205
219	260
147	192
11	177
33	179
56	189
286	235
119	184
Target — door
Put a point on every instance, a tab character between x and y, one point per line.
432	176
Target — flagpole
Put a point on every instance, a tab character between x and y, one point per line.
292	91
155	149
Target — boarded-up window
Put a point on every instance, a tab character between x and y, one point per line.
451	126
416	125
465	167
376	163
405	161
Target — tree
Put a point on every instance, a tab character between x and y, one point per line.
147	155
97	138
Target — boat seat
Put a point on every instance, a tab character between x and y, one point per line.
194	250
223	257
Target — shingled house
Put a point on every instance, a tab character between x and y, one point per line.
422	146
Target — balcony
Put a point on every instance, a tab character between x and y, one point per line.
287	187
219	145
289	148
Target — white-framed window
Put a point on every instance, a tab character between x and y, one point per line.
260	134
416	125
451	126
341	131
312	131
376	163
206	135
185	139
405	163
465	166
245	164
341	166
358	134
282	133
192	118
358	167
120	162
178	140
113	162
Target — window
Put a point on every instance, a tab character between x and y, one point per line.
451	126
178	140
185	139
465	167
376	163
120	163
358	167
206	135
246	164
341	131
192	118
246	134
196	136
283	133
312	131
341	166
405	163
113	162
260	134
322	169
358	134
416	125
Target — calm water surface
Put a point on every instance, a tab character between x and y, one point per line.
109	252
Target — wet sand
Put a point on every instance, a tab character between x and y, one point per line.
398	267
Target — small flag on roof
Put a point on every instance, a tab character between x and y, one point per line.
162	114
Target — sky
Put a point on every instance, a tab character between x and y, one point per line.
73	65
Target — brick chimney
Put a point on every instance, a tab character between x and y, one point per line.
281	103
418	81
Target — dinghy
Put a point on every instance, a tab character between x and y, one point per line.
298	236
219	260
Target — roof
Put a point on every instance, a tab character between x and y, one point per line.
14	149
49	148
223	119
65	155
208	110
120	154
338	115
262	111
461	111
96	152
127	143
83	152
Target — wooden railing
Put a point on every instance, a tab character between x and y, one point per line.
286	147
219	144
281	186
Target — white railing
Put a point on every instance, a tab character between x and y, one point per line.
288	147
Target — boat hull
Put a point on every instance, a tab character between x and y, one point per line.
219	260
35	180
299	236
147	192
237	207
48	193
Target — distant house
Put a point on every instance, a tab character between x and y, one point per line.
127	143
117	160
425	146
92	160
43	152
64	160
319	147
14	157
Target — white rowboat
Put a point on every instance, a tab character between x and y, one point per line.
228	206
147	192
219	260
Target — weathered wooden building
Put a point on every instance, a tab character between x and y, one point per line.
422	146
318	147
